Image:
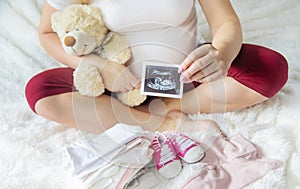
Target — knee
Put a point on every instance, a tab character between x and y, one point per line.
33	90
36	89
48	109
212	123
282	72
278	73
275	68
209	124
54	108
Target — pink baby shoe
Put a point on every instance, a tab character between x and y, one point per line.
164	156
186	148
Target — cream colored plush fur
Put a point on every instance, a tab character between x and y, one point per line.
82	31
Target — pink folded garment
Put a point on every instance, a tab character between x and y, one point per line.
230	164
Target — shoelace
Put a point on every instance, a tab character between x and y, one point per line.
166	154
183	143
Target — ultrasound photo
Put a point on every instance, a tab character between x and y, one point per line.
160	79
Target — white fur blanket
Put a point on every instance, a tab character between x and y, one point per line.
30	146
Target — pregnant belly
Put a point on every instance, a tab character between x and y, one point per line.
154	53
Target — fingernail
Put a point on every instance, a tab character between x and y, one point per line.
186	80
179	69
183	79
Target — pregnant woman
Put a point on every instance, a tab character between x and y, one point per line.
222	75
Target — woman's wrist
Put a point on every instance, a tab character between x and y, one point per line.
94	60
226	53
228	40
223	58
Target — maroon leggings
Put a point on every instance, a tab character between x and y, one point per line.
259	68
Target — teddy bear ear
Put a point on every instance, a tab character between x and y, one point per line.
85	2
56	23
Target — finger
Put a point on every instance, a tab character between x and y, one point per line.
129	87
118	88
126	84
193	56
208	70
196	67
197	76
123	89
128	76
135	82
212	77
121	85
137	86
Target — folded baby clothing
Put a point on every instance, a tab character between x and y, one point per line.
120	171
111	159
121	158
229	163
148	178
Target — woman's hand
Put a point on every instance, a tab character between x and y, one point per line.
116	77
204	64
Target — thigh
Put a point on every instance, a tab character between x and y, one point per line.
48	83
221	96
260	69
256	74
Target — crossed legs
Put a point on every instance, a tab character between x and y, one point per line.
219	96
100	113
255	67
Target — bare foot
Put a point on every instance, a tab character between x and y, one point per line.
178	115
189	126
197	125
155	106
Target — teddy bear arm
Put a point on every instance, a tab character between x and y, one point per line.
116	48
132	98
88	81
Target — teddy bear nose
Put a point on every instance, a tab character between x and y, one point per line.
69	41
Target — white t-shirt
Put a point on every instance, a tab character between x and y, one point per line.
157	30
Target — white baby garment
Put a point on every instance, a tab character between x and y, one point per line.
110	159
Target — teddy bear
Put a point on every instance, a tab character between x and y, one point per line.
82	31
